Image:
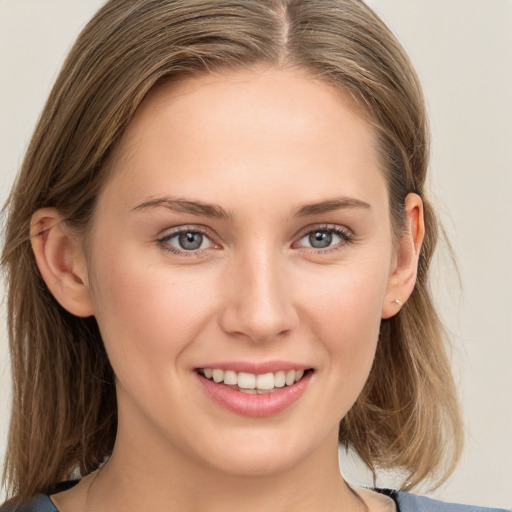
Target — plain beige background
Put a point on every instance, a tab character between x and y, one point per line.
463	53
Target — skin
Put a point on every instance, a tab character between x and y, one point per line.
271	142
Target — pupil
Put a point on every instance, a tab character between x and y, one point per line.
190	241
320	239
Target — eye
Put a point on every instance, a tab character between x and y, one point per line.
186	241
325	237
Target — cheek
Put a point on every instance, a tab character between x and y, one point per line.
346	299
147	312
345	314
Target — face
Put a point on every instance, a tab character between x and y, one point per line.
240	262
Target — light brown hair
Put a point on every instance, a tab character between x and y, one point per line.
64	405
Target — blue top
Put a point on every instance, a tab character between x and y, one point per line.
405	502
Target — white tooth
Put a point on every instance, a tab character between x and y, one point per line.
290	377
298	375
208	373
264	391
279	379
265	381
218	375
246	380
248	391
230	378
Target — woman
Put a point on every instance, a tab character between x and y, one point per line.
230	246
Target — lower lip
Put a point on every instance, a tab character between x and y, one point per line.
254	405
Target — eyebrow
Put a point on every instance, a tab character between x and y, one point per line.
203	209
181	205
329	205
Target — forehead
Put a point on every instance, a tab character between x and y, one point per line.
265	127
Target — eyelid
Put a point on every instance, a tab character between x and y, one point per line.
197	228
347	235
169	233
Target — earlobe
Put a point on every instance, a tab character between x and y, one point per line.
61	262
403	277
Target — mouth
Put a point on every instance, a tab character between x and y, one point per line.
252	383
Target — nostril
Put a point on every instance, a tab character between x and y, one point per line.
261	313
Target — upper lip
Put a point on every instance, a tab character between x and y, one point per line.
257	368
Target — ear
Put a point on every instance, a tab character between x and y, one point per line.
61	261
403	276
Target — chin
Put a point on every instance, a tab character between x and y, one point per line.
258	455
260	463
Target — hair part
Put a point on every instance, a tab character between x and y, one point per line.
64	414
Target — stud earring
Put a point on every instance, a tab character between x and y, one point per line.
398	302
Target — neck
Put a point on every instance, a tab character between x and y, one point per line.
169	481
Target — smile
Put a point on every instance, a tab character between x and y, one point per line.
260	394
253	383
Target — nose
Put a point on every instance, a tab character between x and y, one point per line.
258	301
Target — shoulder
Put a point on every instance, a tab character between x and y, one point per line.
39	503
408	502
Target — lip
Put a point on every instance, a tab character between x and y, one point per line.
255	367
254	405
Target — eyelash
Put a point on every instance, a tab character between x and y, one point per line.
345	235
164	241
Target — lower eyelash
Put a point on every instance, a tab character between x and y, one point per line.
346	236
163	243
173	250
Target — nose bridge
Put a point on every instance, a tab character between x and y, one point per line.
259	304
